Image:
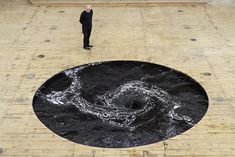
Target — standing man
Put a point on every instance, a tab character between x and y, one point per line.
86	21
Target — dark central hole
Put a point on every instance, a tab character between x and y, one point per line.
134	105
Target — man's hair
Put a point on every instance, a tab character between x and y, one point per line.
88	6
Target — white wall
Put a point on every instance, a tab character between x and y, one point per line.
221	2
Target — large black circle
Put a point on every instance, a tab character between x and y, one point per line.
118	104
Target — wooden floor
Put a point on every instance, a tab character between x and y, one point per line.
37	42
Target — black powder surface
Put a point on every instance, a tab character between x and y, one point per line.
117	104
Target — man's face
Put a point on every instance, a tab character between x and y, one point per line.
88	8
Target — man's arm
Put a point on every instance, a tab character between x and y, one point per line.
81	18
91	13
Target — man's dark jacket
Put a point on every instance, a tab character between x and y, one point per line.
86	20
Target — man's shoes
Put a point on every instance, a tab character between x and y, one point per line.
90	45
87	48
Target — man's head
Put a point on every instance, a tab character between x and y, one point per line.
88	8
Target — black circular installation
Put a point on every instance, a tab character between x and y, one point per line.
117	104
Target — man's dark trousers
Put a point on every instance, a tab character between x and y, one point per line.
86	38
